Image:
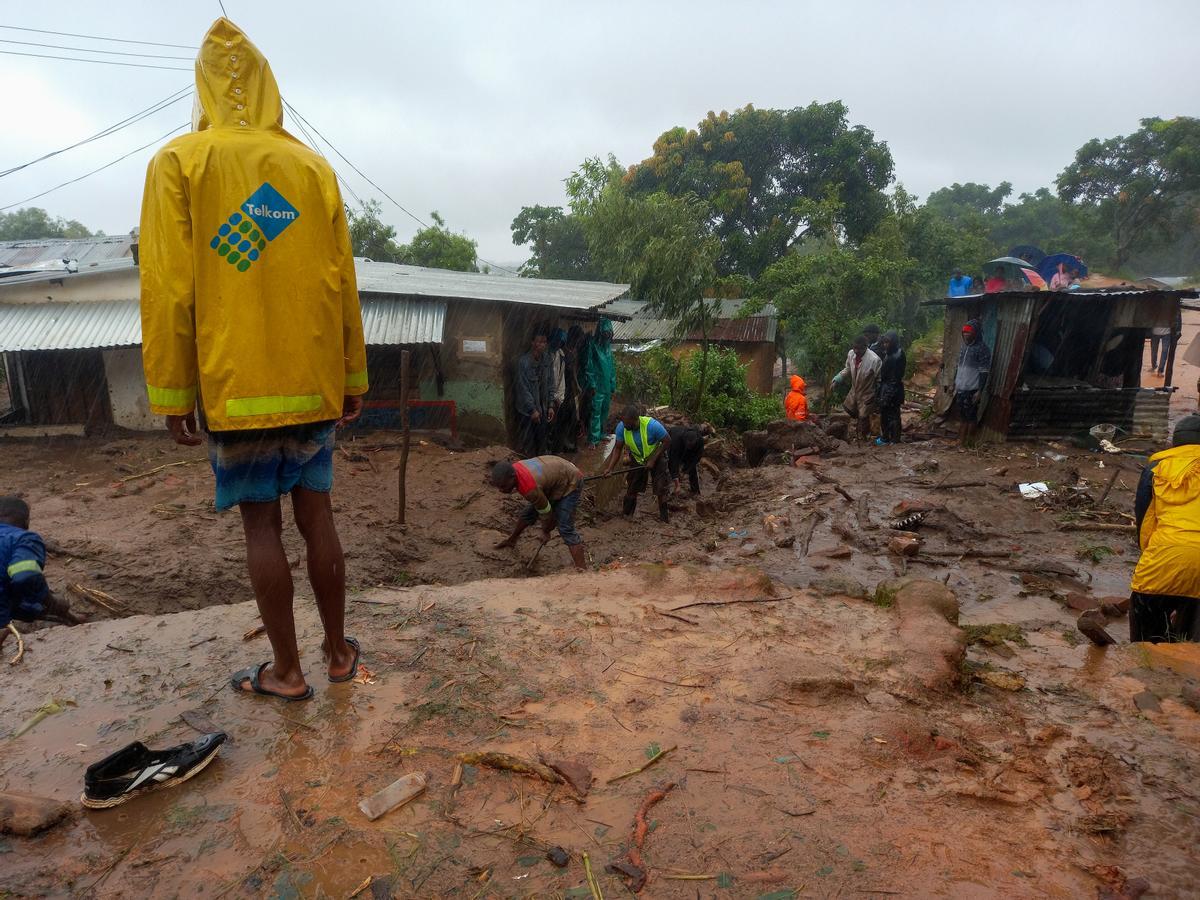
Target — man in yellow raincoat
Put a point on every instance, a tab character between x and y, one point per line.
1165	605
249	305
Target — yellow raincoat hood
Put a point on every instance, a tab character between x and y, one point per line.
1170	533
249	299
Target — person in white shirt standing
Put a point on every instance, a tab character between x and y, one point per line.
862	372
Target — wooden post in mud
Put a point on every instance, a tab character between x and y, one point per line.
404	354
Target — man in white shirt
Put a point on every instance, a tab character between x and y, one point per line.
862	372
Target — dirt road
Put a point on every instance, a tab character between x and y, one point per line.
811	757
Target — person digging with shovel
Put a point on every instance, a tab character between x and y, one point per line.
553	487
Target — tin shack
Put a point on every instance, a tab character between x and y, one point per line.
1065	361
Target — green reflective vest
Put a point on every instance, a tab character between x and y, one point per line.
639	455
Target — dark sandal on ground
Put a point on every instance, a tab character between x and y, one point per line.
252	675
349	676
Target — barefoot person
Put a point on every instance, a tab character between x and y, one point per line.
553	487
24	594
249	297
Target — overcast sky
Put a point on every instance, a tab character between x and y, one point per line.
476	109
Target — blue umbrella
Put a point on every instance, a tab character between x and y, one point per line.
1048	266
1031	254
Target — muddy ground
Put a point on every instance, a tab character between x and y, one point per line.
811	757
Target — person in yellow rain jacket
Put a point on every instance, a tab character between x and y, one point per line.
249	305
1165	604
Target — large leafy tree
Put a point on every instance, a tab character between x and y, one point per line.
752	166
440	248
963	202
32	222
370	236
1138	183
656	242
557	243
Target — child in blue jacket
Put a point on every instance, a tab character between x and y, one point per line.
24	594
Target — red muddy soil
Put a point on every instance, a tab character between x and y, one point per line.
812	755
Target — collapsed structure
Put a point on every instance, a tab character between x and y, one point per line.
1064	361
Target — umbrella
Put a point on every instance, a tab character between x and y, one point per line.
1031	254
1035	280
1048	266
1013	269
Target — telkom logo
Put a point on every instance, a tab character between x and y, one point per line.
242	239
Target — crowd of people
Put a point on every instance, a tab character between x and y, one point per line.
563	389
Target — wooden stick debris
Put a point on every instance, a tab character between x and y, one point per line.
362	887
1108	487
1097	526
20	645
494	760
156	469
642	768
593	884
731	602
99	598
403	470
254	632
659	680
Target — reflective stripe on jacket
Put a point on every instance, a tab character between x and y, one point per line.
248	291
1170	530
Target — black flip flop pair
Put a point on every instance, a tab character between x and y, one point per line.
254	673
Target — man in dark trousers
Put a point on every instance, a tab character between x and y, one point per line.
646	441
1165	601
684	455
534	388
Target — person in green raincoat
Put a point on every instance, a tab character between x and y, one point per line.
599	378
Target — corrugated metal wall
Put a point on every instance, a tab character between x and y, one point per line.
1063	412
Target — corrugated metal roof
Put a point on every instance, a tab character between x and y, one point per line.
394	321
1098	294
729	327
69	326
85	250
118	323
415	281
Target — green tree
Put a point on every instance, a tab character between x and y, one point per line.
558	245
751	166
32	222
961	202
1138	182
370	236
440	248
658	243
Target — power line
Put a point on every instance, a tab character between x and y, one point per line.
89	50
170	100
423	224
101	169
95	37
105	62
312	142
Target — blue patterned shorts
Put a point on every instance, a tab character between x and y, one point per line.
261	465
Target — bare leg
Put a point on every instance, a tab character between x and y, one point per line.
271	579
326	573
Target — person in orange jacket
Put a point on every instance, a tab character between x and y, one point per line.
795	405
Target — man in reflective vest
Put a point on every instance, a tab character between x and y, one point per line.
646	441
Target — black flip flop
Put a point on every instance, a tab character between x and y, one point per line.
252	675
349	676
